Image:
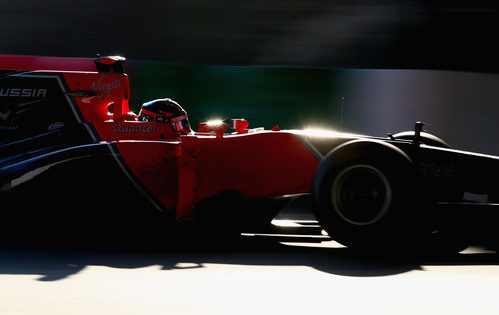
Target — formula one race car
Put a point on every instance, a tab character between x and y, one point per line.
71	151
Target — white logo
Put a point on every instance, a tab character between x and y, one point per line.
105	88
19	92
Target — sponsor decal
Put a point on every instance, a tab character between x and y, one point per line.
6	111
11	109
142	128
437	170
19	92
105	88
9	128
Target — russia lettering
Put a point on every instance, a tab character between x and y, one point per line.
19	92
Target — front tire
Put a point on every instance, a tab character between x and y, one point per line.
364	195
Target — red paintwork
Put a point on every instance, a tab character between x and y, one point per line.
182	170
239	125
107	61
46	63
198	166
111	88
258	165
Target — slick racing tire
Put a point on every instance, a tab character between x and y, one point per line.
363	194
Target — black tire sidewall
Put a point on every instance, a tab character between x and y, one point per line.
397	219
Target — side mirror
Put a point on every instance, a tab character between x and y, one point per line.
239	125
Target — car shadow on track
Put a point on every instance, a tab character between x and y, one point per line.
56	263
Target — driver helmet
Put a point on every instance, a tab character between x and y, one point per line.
168	111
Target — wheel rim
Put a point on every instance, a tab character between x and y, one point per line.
361	194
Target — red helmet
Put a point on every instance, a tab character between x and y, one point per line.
166	111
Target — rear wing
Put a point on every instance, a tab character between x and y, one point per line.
109	64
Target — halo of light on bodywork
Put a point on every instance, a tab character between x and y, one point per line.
214	122
317	132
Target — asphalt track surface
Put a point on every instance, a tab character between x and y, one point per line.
258	274
261	276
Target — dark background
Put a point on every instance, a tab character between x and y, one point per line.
360	34
289	62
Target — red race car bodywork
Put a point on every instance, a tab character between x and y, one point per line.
69	140
178	170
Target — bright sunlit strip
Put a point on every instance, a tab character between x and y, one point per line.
214	122
325	133
285	223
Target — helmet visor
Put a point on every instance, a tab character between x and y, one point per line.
181	124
